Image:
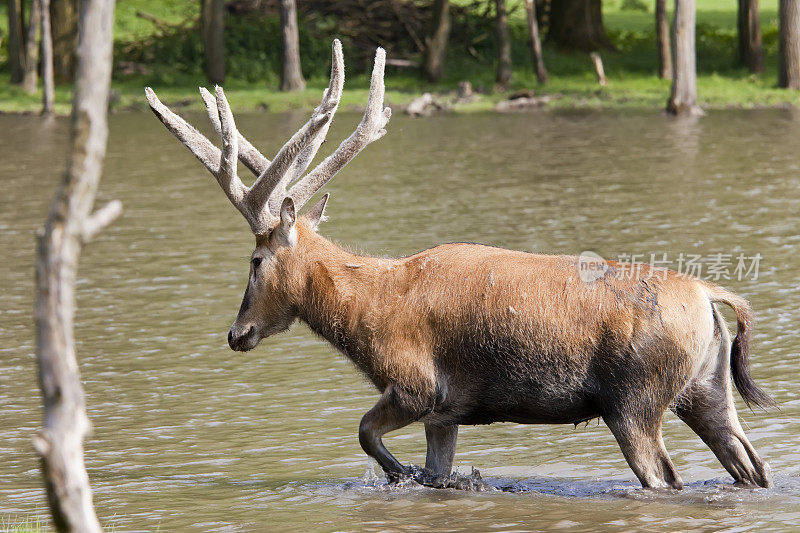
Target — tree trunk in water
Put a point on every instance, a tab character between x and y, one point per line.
291	74
69	226
578	25
662	36
751	51
683	99
503	75
789	46
48	93
64	23
212	29
16	46
436	42
536	43
30	77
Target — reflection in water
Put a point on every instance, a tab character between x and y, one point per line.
189	435
684	138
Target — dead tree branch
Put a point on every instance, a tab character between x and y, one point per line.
71	224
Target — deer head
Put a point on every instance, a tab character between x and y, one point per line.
271	204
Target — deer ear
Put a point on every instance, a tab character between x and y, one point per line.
316	214
288	214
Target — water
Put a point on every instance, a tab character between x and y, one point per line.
189	435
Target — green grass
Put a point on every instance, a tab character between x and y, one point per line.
34	524
129	27
25	524
175	63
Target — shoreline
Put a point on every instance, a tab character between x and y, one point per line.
129	97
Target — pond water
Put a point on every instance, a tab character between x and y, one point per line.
191	436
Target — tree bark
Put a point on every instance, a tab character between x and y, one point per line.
69	226
597	61
16	45
751	50
662	36
578	25
683	99
212	29
291	74
30	76
789	44
503	74
64	24
536	44
48	92
436	42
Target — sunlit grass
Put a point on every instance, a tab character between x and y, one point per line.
23	524
34	524
253	80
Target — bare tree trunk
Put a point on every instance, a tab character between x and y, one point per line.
48	93
69	226
30	77
16	46
683	99
536	43
789	46
578	25
64	24
751	51
436	42
212	28
662	36
597	61
291	75
503	74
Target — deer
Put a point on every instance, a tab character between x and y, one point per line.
468	334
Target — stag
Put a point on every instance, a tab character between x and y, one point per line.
471	334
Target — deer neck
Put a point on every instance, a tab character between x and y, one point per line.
337	291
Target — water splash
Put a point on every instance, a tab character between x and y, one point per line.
422	476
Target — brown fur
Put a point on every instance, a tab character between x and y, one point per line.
472	334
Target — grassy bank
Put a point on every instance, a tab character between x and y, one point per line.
171	62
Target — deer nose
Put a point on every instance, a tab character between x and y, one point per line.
239	341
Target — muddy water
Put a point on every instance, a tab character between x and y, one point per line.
191	436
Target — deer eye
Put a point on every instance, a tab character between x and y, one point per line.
256	262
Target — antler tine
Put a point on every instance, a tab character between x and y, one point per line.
248	154
221	163
371	128
200	146
227	176
305	142
333	92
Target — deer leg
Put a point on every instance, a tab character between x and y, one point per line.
439	459
640	440
711	413
441	448
395	409
708	408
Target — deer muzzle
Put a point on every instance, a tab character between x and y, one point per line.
243	338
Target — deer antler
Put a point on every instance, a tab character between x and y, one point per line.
371	128
260	204
248	154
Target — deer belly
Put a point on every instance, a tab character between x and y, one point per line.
525	409
509	380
